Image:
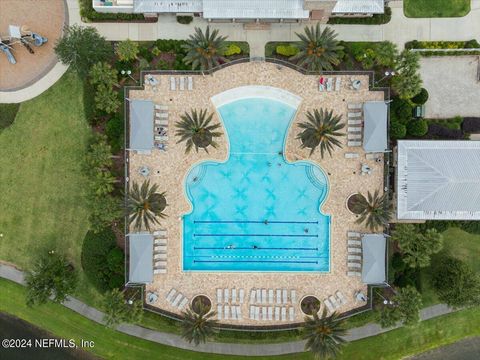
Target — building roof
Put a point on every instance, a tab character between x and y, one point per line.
141	125
167	6
359	7
141	258
373	259
375	115
438	180
254	9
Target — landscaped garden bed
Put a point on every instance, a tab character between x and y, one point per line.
201	304
375	19
444	48
352	203
310	305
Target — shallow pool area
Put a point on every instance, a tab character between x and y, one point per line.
256	211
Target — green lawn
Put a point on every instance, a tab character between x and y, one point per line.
435	8
42	186
65	323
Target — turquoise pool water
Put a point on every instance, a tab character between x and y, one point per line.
256	212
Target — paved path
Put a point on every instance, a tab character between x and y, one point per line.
399	30
10	273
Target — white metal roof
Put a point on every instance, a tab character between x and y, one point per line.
254	9
438	180
167	6
359	7
375	114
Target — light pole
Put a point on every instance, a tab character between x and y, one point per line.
129	74
387	74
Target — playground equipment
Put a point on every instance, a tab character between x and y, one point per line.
20	35
5	48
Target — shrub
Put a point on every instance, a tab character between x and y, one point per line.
421	98
471	44
397	129
145	53
286	50
417	127
397	262
102	73
232	49
156	51
127	50
106	99
89	103
114	132
402	109
184	19
439	132
367	58
471	125
102	261
8	112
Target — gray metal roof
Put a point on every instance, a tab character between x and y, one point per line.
167	6
254	9
373	251
375	126
359	7
141	258
438	180
141	125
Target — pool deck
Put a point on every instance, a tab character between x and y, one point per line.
169	169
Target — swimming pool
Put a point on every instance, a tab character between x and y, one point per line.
256	212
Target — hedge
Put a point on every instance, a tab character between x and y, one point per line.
88	14
184	19
8	112
376	19
397	129
471	125
421	98
435	45
286	50
101	261
417	127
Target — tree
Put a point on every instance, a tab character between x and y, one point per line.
194	128
99	155
406	306
81	47
103	183
318	49
386	54
324	335
374	210
106	99
455	282
103	211
198	326
52	276
407	82
321	130
118	310
102	73
204	49
417	247
127	50
417	127
145	205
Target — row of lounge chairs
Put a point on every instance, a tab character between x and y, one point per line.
182	81
355	123
270	313
335	302
161	127
223	296
327	84
354	256
176	299
160	252
233	312
280	296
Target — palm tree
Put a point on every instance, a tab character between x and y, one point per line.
324	335
196	327
374	210
318	50
321	129
103	183
204	49
145	205
196	130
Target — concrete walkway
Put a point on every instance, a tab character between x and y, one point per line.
10	273
399	30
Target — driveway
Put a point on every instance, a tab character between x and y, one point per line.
452	85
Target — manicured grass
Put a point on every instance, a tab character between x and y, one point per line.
436	8
7	115
463	245
111	344
42	185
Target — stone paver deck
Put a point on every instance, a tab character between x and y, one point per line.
169	168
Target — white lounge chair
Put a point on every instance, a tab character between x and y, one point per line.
351	155
355	122
157	249
252	312
182	83
279	296
190	83
293	296
182	303
277	313
219	312
241	295
159	242
338	83
355	136
159	271
355	114
226	312
270	296
285	296
354	143
341	297
284	313
334	302
219	295
161	107
239	312
354	273
264	296
160	233
173	83
330	308
270	313
233	310
170	295
226	295
354	129
161	122
177	300
354	265
329	84
259	296
161	115
160	256
257	312
291	313
253	294
234	296
264	313
321	87
353	234
354	250
352	242
354	257
161	137
355	106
